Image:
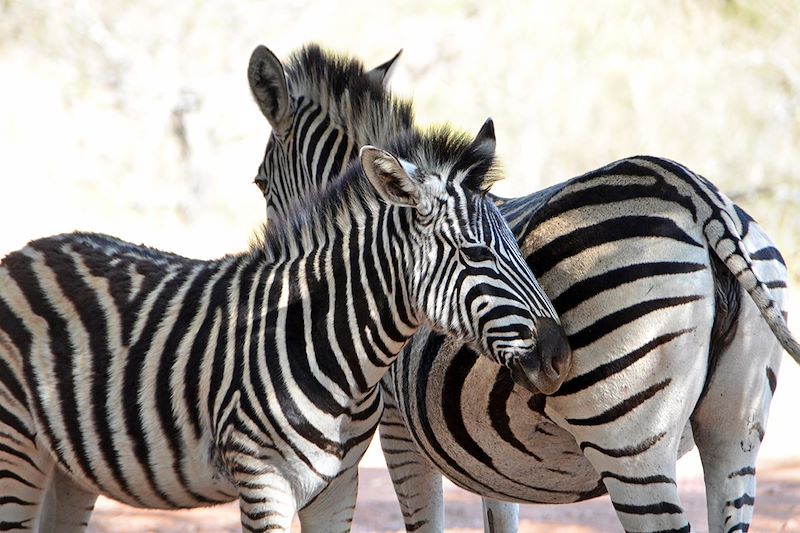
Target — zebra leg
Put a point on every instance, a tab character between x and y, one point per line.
499	516
266	502
634	443
332	510
25	469
418	485
644	494
729	422
25	466
67	506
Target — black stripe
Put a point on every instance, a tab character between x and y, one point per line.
298	354
648	480
313	144
452	389
604	194
11	526
772	379
279	382
583	290
63	352
744	471
340	324
358	279
166	405
584	381
13	500
341	157
623	317
498	413
133	411
455	378
325	156
653	508
8	474
627	451
14	451
21	338
320	315
744	499
622	408
93	318
217	295
624	227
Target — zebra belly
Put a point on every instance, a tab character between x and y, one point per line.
148	473
484	434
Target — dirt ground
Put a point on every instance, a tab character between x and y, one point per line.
777	499
777	510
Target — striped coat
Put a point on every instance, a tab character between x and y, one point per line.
647	264
167	382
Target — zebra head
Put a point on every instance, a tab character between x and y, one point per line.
467	277
321	108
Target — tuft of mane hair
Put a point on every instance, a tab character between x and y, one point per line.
440	149
333	79
344	196
447	148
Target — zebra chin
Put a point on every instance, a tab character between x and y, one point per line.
544	369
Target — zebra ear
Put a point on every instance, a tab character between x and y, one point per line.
485	138
382	72
268	85
390	177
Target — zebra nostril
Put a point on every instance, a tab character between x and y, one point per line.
526	334
546	366
512	361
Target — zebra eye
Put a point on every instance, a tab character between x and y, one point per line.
261	184
477	253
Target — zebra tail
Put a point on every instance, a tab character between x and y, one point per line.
729	246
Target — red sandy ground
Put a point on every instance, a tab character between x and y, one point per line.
777	498
777	510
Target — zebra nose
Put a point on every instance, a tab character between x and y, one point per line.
545	368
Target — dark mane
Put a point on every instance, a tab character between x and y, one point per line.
445	147
313	211
326	76
438	149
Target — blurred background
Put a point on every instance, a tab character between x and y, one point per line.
134	118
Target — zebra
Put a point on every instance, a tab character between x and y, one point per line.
645	262
167	382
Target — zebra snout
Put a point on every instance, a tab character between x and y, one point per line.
544	369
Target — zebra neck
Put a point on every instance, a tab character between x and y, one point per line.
339	301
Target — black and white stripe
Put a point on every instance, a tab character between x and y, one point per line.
304	108
167	382
645	262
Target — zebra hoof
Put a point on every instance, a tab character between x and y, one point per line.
546	367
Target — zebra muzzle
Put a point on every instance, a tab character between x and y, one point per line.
544	369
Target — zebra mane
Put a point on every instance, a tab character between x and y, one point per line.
444	147
350	195
340	83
